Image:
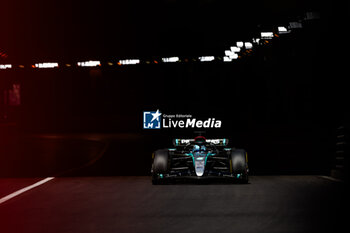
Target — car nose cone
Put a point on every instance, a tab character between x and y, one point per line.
199	166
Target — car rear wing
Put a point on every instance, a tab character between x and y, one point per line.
184	142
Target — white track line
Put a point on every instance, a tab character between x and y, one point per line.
18	192
331	178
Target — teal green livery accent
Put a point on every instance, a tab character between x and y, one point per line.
209	154
205	163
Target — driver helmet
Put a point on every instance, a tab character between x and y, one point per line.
197	148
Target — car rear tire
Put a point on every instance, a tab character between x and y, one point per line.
160	166
239	165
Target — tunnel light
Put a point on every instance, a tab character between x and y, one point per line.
267	35
256	40
248	45
282	29
129	62
89	63
235	49
170	59
240	44
5	66
46	65
229	53
295	25
312	15
227	59
206	58
233	56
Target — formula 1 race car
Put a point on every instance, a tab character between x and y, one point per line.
199	158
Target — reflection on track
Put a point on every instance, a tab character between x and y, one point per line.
132	204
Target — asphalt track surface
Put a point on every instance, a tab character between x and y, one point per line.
132	204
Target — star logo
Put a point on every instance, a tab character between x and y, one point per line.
152	119
156	115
